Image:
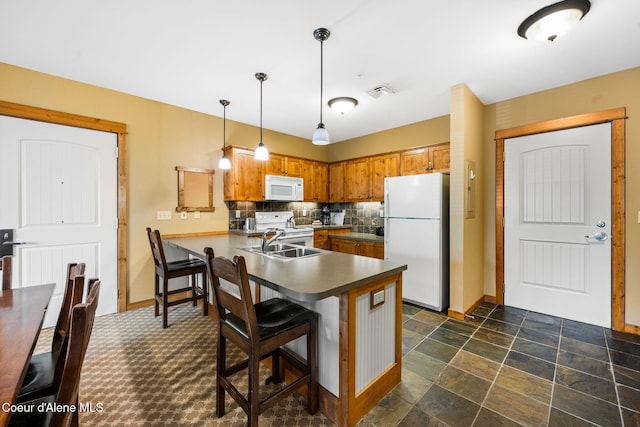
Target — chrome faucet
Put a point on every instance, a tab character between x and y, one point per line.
266	243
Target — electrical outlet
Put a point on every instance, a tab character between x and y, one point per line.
196	214
163	215
183	215
304	212
237	214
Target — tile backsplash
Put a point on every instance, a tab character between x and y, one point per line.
363	217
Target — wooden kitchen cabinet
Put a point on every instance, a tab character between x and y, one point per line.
284	165
434	158
336	182
358	247
316	181
381	167
321	236
245	179
356	180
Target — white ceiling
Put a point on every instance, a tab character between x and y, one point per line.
191	53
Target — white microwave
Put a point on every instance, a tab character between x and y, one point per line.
283	188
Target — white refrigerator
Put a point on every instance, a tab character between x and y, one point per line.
416	233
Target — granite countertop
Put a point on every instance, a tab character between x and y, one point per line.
304	279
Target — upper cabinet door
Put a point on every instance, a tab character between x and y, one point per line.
434	158
381	167
439	157
283	165
245	179
356	180
336	182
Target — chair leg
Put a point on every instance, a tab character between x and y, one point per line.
155	296
194	290
254	391
165	302
221	367
312	362
205	295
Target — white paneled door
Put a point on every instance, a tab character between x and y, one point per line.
557	244
59	194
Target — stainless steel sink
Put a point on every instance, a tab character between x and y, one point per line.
284	251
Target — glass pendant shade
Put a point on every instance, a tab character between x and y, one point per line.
320	136
552	21
261	152
224	163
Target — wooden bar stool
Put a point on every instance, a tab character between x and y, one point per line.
171	270
260	331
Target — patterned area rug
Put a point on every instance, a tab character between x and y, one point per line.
137	374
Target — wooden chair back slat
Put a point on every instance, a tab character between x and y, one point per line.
73	292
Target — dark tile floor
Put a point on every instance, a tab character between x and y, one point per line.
508	367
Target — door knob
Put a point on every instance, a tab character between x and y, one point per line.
600	236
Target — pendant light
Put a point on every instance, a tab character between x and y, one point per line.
261	152
554	20
321	136
224	162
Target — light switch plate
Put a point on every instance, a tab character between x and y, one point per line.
163	215
183	215
196	214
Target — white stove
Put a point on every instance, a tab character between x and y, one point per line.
282	220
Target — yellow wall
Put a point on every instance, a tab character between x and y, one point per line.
621	89
466	226
426	132
159	138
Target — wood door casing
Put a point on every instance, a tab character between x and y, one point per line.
617	117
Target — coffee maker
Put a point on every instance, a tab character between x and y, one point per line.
325	215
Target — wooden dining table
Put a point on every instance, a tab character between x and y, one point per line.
21	314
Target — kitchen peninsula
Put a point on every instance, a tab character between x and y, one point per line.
359	300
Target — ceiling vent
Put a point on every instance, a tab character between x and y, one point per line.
379	91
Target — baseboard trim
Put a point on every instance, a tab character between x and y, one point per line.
462	316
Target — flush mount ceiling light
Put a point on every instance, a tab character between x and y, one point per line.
343	105
552	21
321	136
261	152
224	162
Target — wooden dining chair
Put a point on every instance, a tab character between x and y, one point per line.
260	331
38	380
5	266
170	270
67	372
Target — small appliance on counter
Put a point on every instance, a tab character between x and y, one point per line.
250	224
337	218
379	231
325	216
